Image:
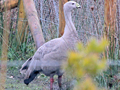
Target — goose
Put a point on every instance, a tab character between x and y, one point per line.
50	56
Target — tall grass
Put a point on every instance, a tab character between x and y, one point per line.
89	21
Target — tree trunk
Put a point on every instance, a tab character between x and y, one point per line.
118	12
21	24
9	4
33	22
5	40
61	17
110	25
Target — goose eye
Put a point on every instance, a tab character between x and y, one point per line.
72	3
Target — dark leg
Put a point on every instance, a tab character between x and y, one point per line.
51	83
59	81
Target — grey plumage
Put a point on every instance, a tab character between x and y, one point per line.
49	57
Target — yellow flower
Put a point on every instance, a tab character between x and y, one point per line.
87	60
87	84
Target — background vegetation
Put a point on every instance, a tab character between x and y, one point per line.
94	19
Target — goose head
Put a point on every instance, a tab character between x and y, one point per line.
70	6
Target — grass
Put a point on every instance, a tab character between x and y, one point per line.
85	26
13	84
15	81
26	50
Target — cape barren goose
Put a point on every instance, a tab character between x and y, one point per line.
49	57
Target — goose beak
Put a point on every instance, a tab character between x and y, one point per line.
78	6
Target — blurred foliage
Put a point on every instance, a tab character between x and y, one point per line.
86	63
87	84
23	51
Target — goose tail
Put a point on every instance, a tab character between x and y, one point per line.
25	66
30	69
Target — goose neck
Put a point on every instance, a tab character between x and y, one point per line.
69	26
